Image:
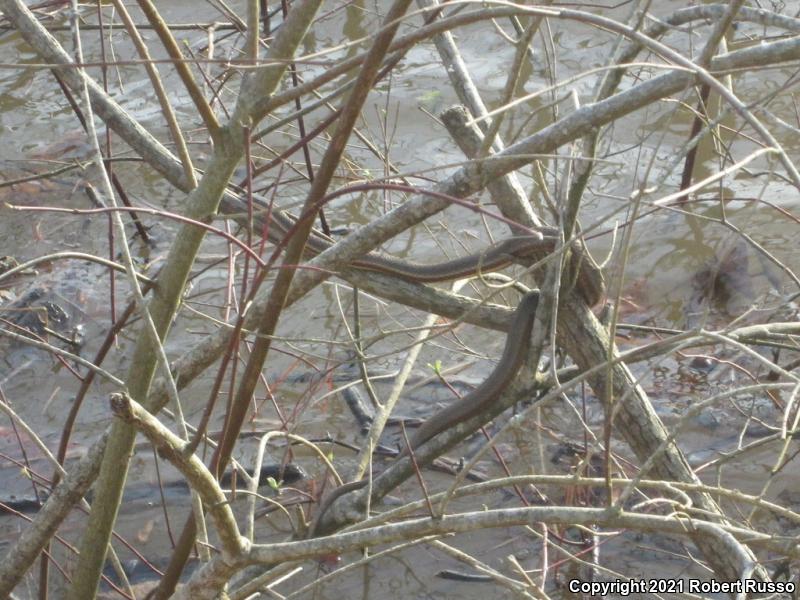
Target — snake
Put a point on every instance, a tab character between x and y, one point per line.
514	352
517	249
473	403
588	281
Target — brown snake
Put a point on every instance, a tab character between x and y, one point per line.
588	280
514	352
472	404
518	249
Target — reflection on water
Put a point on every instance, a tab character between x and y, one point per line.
688	267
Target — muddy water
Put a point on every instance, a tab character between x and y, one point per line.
674	259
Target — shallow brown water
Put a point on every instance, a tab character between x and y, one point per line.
674	260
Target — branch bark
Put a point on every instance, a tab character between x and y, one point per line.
467	180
